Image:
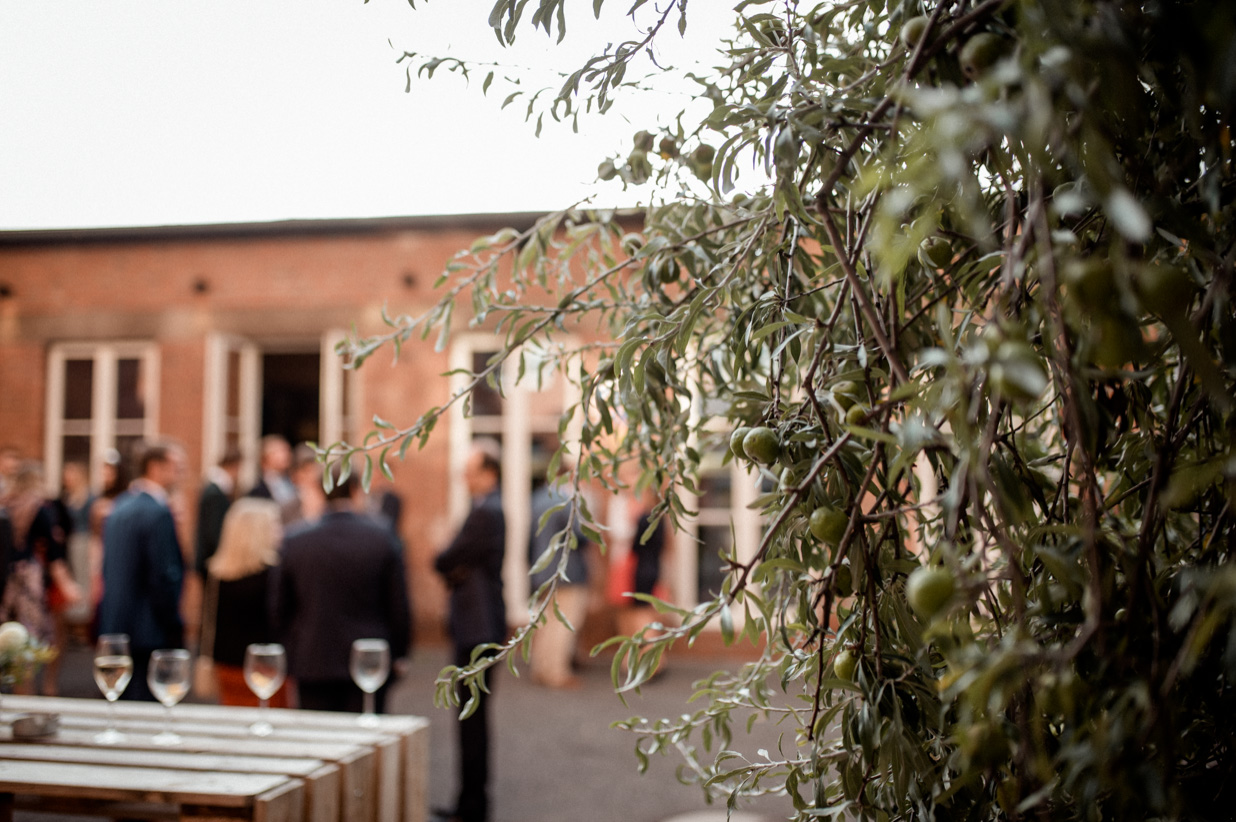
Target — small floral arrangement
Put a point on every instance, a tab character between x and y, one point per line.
20	654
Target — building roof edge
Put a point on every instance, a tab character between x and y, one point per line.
273	228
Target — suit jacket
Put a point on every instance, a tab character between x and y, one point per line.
472	567
143	571
339	580
212	507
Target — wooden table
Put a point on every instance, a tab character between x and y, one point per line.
321	767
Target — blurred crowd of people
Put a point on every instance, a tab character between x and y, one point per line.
61	581
283	561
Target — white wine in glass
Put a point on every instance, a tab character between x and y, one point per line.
168	678
265	670
113	668
370	666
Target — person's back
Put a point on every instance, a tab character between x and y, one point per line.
338	580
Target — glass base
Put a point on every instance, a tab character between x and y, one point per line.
367	720
109	737
167	738
261	728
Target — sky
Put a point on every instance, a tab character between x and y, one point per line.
138	113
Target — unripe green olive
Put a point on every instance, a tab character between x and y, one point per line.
929	589
845	664
913	31
736	438
762	445
980	53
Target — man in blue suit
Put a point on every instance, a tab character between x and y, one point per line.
143	568
472	567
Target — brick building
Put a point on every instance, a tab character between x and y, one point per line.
215	335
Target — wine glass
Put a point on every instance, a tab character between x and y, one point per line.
265	669
370	665
168	678
113	668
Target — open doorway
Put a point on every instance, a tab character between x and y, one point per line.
252	390
291	387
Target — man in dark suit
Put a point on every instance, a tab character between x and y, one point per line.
218	491
274	482
339	580
143	569
472	567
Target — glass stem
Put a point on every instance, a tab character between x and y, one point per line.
369	703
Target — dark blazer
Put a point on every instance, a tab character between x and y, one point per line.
143	571
212	507
339	580
472	567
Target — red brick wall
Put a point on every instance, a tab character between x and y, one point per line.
273	289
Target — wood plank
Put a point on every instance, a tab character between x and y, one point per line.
207	745
322	779
416	772
127	784
285	803
400	786
162	758
359	789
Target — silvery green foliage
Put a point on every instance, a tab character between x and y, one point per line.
972	264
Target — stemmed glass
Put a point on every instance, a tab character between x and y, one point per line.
168	678
265	669
370	665
113	668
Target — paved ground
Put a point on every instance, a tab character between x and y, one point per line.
556	759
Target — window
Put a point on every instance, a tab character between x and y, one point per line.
523	416
317	397
99	396
724	518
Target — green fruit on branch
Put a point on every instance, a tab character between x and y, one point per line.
631	244
828	524
607	170
846	393
857	414
667	148
843	581
736	438
701	161
935	252
981	52
643	141
913	31
845	665
929	590
667	270
762	445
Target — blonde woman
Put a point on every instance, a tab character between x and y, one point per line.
240	568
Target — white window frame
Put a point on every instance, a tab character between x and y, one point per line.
516	426
102	427
338	397
216	423
746	522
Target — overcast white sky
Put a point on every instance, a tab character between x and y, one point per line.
137	112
